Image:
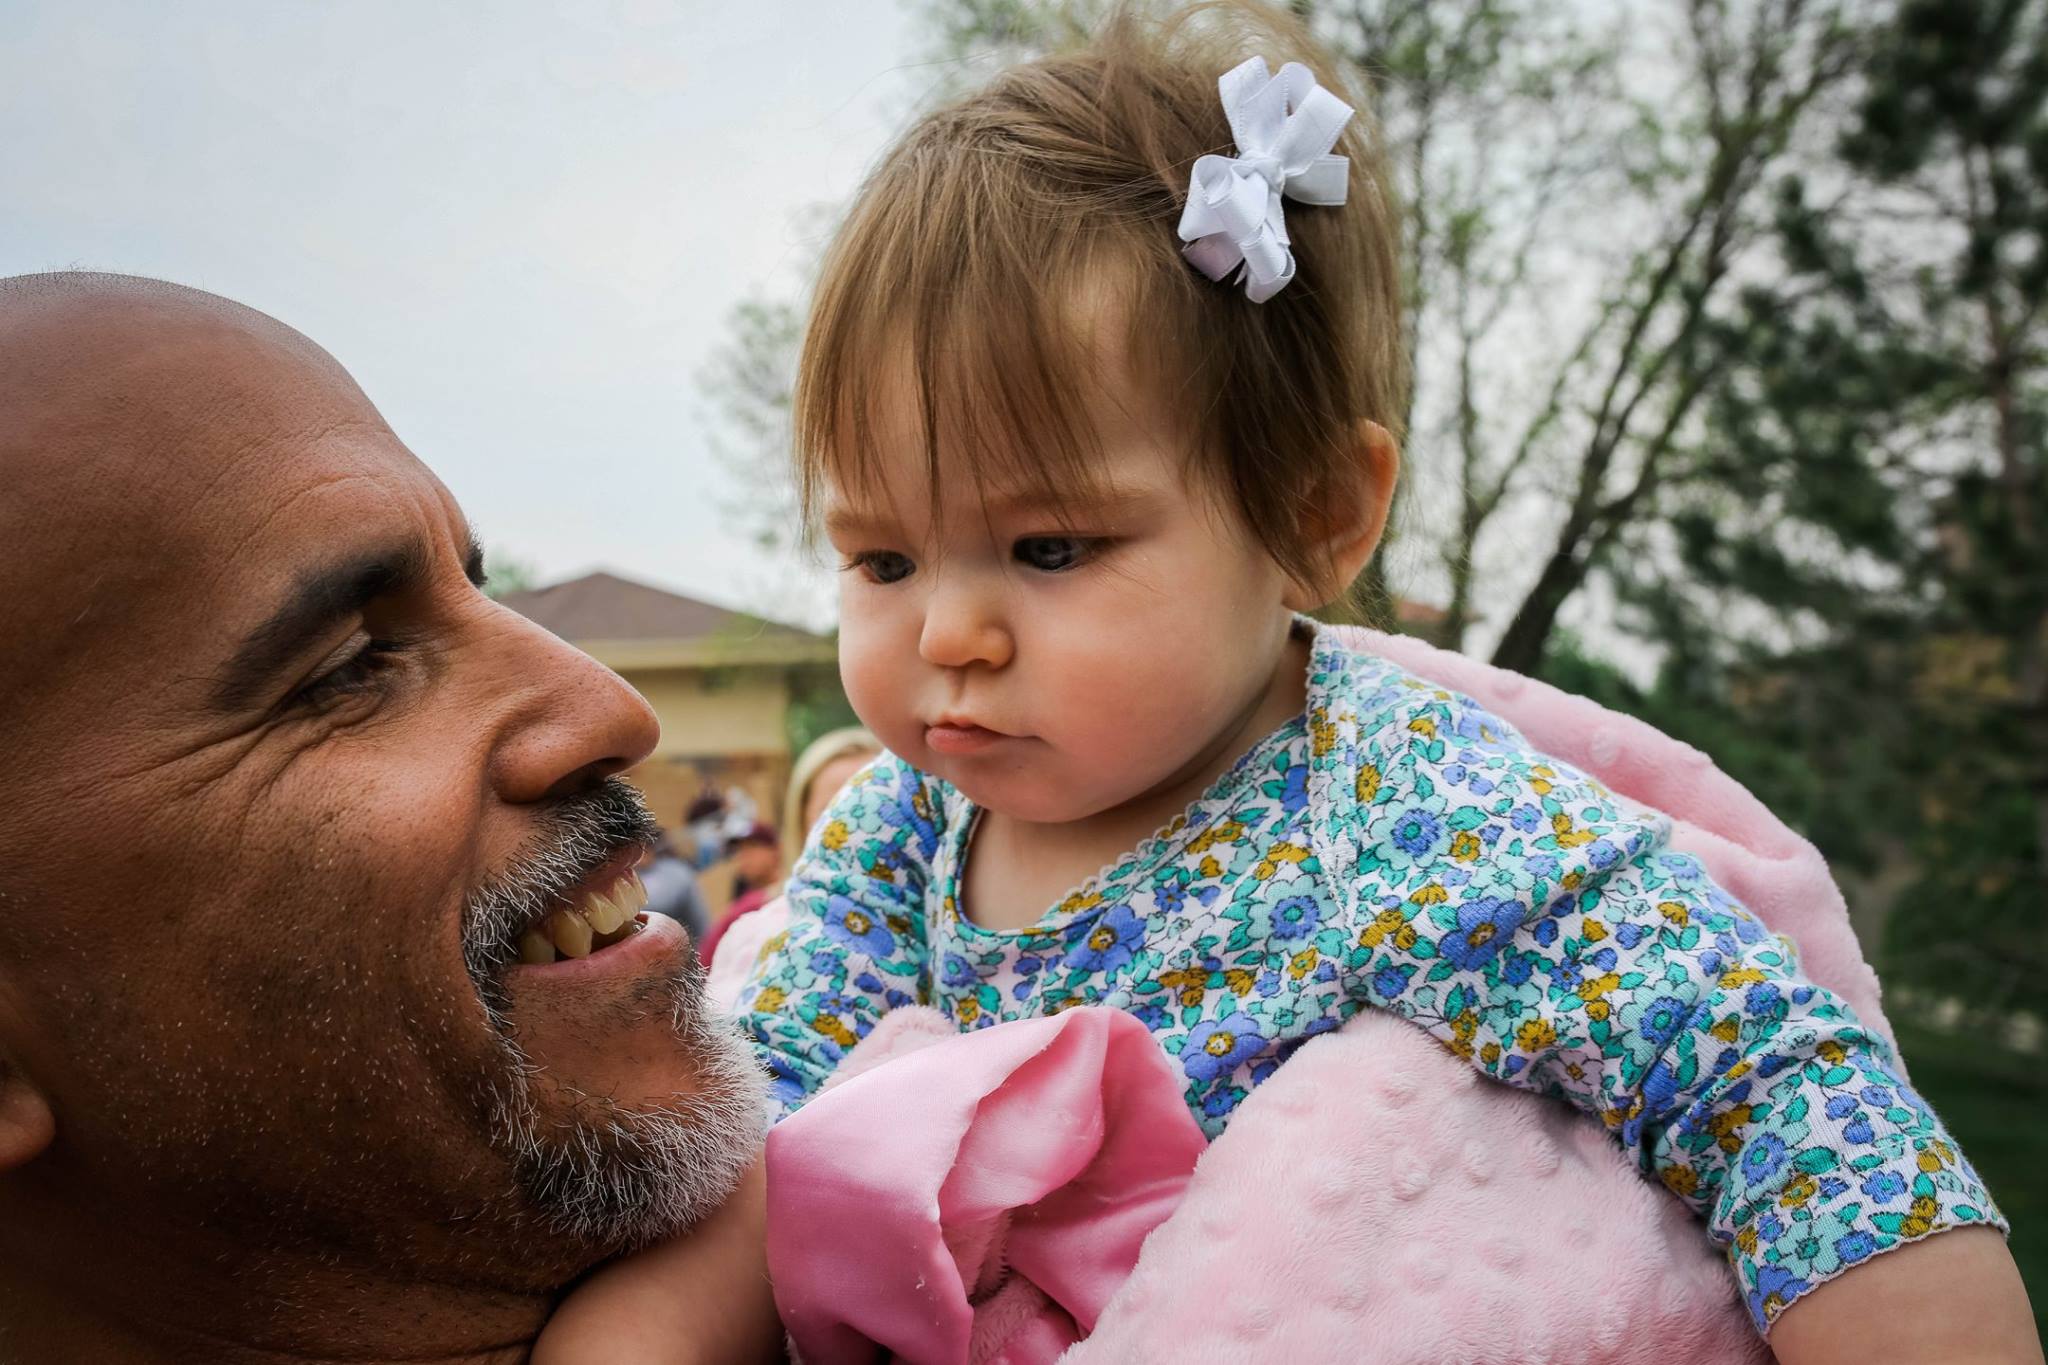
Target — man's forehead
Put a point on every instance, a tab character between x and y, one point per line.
166	462
155	389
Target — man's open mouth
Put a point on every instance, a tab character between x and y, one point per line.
585	922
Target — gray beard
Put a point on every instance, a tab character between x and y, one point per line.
609	1177
618	1178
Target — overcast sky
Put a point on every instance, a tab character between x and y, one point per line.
520	225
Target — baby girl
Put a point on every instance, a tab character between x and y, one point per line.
1100	397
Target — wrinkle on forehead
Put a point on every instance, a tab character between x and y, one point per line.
153	362
292	503
147	434
230	464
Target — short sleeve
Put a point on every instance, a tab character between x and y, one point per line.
1544	930
856	945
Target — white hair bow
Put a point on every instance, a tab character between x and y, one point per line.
1285	126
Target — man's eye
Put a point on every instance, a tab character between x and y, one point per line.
882	566
359	671
1052	554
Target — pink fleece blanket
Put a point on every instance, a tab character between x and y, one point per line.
1039	1191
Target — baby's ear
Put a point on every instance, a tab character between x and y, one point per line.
1350	517
27	1124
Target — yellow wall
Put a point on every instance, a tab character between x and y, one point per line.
722	727
724	711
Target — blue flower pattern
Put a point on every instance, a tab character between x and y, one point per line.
1398	847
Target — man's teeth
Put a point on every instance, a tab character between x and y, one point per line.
570	931
600	921
535	947
605	914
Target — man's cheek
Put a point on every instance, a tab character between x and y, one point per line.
396	817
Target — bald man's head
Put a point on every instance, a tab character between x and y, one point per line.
284	788
55	325
121	397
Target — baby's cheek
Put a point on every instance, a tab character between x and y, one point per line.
1141	724
875	686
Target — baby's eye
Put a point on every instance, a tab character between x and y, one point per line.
882	566
1052	554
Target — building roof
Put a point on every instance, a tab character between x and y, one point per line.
627	624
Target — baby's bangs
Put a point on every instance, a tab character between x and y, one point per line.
983	348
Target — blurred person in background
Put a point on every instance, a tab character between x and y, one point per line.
756	865
756	880
672	888
823	768
704	829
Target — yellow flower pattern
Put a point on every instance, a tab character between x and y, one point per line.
1396	847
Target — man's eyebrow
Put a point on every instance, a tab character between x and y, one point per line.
320	599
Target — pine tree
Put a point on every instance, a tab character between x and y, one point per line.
1860	627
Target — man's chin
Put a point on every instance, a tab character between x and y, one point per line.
608	1024
632	1109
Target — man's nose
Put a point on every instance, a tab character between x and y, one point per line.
577	722
964	626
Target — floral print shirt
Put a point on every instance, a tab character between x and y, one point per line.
1397	847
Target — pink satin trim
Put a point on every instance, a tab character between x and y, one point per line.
1061	1141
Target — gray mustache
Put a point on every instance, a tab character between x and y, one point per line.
581	833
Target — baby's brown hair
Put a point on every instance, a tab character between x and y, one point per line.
1000	218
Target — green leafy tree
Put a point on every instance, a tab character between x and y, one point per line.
1578	201
508	573
1860	608
1499	118
1742	84
748	382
